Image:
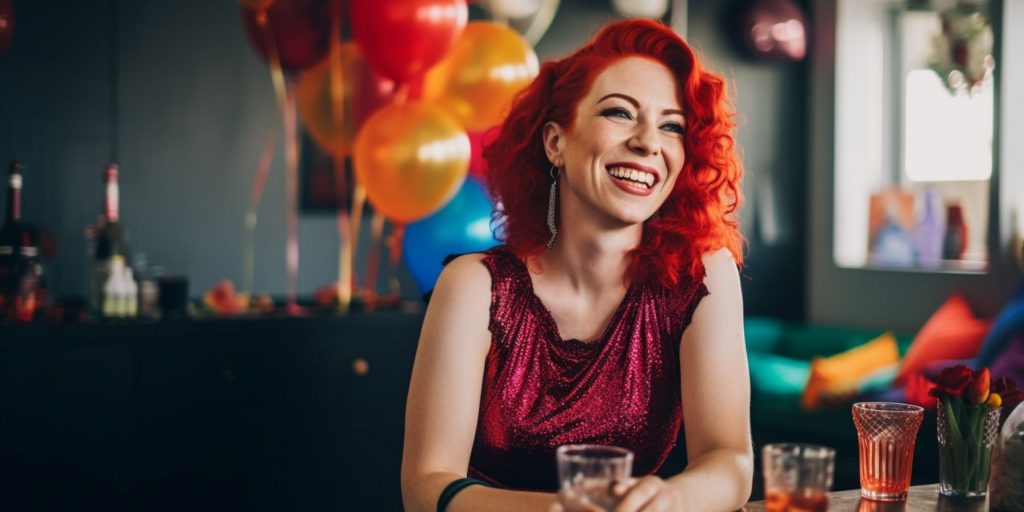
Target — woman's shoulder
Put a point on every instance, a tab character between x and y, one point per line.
720	268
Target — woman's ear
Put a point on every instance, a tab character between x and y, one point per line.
554	143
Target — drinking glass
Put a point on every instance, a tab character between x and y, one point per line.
588	472
886	433
797	477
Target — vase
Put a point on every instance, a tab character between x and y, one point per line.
966	438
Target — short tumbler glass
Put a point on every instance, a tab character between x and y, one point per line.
797	477
886	434
588	472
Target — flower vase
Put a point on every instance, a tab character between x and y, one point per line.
967	434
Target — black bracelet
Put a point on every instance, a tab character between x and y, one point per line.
454	488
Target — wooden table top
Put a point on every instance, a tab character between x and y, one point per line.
922	498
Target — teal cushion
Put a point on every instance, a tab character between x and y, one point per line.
776	380
763	334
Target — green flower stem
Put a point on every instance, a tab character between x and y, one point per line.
956	445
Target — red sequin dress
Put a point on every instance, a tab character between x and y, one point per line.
540	391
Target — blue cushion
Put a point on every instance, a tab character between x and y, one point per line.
1009	322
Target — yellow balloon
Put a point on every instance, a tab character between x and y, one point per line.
332	128
411	158
485	69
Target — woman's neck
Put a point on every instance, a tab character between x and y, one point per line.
590	258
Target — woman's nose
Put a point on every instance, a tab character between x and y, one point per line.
644	141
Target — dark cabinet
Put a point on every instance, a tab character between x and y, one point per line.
285	414
66	429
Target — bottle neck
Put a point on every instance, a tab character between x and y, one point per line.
14	197
110	200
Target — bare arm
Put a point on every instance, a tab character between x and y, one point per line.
444	397
716	406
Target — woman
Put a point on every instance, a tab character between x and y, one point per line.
614	308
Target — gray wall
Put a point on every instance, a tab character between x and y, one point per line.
904	300
172	92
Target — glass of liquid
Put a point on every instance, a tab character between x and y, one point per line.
587	473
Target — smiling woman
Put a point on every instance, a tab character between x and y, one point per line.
612	311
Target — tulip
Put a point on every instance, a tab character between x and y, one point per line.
977	391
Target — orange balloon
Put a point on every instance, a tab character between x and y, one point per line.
485	69
331	125
411	158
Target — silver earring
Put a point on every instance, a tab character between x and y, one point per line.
552	197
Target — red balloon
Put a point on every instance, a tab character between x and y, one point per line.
301	28
373	91
6	24
477	141
774	30
401	39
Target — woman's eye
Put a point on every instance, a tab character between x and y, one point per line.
674	128
617	112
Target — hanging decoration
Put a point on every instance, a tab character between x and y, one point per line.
962	51
6	24
773	30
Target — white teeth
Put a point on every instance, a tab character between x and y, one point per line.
642	177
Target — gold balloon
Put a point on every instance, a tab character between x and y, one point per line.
411	158
485	69
333	127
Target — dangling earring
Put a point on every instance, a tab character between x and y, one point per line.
552	197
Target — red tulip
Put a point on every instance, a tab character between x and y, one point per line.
1007	390
952	381
977	392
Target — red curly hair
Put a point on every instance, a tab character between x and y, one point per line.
698	215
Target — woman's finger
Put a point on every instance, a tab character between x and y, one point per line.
640	494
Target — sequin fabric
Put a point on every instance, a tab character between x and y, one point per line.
540	391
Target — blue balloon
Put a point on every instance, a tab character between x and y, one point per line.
463	225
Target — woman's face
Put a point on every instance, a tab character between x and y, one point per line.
625	150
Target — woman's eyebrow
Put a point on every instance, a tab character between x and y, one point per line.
636	104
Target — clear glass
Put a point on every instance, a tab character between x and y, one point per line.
965	452
1007	484
587	473
886	433
797	477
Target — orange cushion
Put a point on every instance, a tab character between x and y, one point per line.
952	332
840	375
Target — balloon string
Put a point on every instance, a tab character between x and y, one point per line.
395	256
286	98
249	257
373	261
346	233
291	152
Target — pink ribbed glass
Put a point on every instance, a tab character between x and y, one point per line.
886	433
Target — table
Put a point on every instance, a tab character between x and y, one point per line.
922	498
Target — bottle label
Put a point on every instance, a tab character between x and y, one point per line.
112	201
16	181
6	250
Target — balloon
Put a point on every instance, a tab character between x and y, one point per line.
477	141
362	92
411	159
653	9
301	31
463	225
478	79
6	24
403	38
774	30
512	8
256	5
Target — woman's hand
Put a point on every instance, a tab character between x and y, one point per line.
648	494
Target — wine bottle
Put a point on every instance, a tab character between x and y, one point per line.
109	239
22	286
